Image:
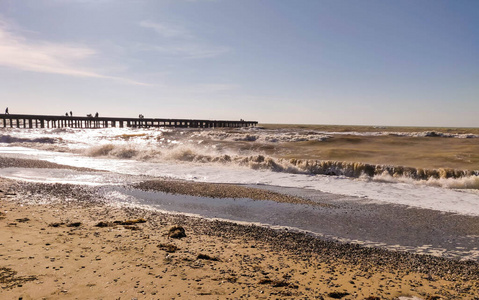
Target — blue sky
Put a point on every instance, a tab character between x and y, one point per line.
409	62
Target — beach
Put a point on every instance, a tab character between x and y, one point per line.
213	149
64	241
227	214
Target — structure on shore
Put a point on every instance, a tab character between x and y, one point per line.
45	121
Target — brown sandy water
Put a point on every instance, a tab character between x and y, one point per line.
418	152
361	128
415	152
431	152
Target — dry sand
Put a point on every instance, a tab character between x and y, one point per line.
66	242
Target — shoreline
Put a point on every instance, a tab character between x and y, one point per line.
216	259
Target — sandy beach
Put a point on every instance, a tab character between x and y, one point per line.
215	149
63	241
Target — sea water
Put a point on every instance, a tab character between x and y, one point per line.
259	156
300	157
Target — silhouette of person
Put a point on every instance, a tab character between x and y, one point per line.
96	115
6	111
66	114
71	114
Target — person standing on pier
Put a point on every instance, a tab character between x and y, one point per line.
6	111
71	114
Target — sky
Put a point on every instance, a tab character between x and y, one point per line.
350	62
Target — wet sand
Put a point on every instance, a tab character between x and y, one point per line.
217	190
64	241
11	162
330	216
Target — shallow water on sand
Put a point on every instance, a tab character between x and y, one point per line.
344	218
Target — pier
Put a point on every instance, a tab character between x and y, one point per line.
48	121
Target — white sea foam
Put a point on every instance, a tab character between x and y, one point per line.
205	146
402	193
467	182
255	135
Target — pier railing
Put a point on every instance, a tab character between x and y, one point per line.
46	121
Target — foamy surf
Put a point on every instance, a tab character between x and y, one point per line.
443	177
280	150
400	193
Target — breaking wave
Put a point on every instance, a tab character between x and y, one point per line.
443	177
281	135
253	135
8	139
123	151
241	148
408	134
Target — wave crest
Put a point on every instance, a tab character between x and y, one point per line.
8	139
444	177
264	137
125	152
357	169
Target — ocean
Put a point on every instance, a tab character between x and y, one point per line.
368	168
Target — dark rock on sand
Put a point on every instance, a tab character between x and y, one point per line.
337	295
74	224
176	232
207	257
22	220
103	224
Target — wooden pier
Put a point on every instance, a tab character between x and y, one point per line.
45	121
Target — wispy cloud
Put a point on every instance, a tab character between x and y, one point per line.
213	88
187	50
166	30
178	41
17	52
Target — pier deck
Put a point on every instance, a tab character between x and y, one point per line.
48	121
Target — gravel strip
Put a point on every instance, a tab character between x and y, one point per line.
10	162
218	190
